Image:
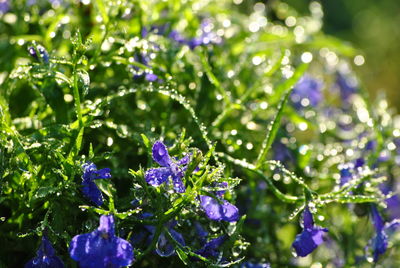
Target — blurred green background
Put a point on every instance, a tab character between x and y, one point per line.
373	27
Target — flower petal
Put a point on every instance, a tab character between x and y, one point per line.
377	219
92	192
45	257
216	211
210	248
122	254
184	160
379	244
179	187
160	154
103	173
101	248
308	240
308	221
107	225
157	176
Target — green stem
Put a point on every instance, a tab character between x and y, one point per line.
77	97
283	197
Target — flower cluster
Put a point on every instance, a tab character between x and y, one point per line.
170	170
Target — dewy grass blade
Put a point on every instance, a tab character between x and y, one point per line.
273	127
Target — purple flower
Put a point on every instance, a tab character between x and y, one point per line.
42	51
201	232
222	186
90	189
151	77
206	37
345	175
45	257
177	37
307	92
347	87
282	153
311	237
4	6
219	209
254	265
210	248
156	29
101	248
380	242
170	168
393	202
164	246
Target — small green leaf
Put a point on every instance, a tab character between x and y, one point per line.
45	191
146	141
84	81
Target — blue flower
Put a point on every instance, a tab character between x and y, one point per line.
101	248
164	246
206	37
45	257
170	168
219	209
42	51
307	92
210	248
4	6
345	175
254	265
347	87
90	189
311	237
380	242
144	59
282	153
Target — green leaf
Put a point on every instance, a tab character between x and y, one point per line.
102	10
45	191
273	127
83	81
146	141
182	255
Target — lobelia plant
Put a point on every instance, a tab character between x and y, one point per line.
221	121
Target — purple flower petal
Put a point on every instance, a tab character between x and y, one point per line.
101	248
223	185
151	77
184	160
311	236
157	176
216	211
377	219
45	257
210	248
160	154
92	192
308	240
308	221
309	89
178	185
254	265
